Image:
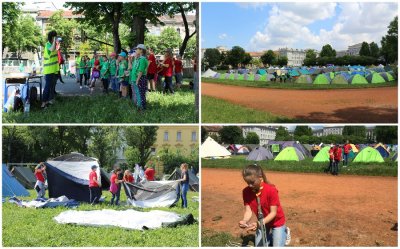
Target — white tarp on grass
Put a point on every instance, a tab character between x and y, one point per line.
129	219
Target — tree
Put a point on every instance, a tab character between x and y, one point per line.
204	134
390	42
10	13
141	138
246	59
302	130
282	61
169	38
212	57
268	57
183	8
282	134
327	51
364	51
374	50
235	56
231	135
358	131
256	62
252	138
311	58
386	134
191	48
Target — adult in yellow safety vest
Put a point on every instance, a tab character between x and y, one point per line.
50	68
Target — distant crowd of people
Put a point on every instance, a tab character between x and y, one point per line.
335	157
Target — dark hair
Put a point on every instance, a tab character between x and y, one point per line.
117	169
254	169
50	35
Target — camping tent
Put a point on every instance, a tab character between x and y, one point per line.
238	149
340	79
382	150
289	154
394	158
322	79
261	72
10	185
211	149
304	79
209	73
375	78
25	176
298	146
259	153
368	155
387	76
69	175
357	79
323	155
193	179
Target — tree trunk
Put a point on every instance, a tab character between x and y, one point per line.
196	74
187	31
116	40
137	28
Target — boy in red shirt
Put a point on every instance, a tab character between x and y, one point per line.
40	172
331	159
178	71
168	66
151	70
94	186
347	149
149	173
338	157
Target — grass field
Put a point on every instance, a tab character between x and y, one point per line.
292	85
220	111
177	108
28	227
389	168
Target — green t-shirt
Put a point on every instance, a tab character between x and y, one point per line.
113	67
122	67
139	65
82	65
105	70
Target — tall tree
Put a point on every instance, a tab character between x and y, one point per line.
302	130
10	14
282	61
183	8
282	134
212	57
359	131
231	135
247	59
390	42
141	138
374	49
235	56
252	138
204	134
268	57
327	51
386	134
364	51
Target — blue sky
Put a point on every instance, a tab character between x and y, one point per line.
261	26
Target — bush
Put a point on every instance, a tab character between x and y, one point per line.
172	160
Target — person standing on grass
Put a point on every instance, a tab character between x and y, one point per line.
113	72
261	198
105	74
346	151
184	183
82	68
151	71
168	65
40	186
94	186
338	158
178	71
138	76
115	187
122	65
50	68
331	159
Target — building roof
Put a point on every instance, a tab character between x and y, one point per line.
256	54
212	128
46	14
177	19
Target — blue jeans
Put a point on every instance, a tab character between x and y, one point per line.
48	91
116	196
276	237
178	193
114	84
185	189
346	159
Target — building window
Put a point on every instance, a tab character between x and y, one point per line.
194	136
179	136
166	136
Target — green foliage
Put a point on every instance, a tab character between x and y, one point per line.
168	38
235	56
212	57
18	231
358	131
281	61
190	50
204	134
390	42
172	160
65	28
311	58
347	60
132	156
252	138
10	15
386	134
246	59
142	138
268	57
374	50
327	51
282	134
364	51
231	135
256	62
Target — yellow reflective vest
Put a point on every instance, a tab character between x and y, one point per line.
50	60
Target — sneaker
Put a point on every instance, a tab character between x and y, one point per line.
288	236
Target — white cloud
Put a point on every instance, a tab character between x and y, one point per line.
252	5
223	36
288	25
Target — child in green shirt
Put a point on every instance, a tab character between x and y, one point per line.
105	73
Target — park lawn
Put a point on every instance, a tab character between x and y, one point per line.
28	227
292	85
215	110
101	108
388	168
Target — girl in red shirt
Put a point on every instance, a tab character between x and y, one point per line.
115	186
128	177
261	198
168	66
40	172
152	71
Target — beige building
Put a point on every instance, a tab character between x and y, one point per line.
184	139
295	56
265	133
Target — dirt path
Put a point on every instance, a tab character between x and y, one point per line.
370	105
321	210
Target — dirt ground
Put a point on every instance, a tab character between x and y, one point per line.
369	105
320	210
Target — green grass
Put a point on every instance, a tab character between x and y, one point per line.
101	108
292	85
215	110
28	227
211	238
389	168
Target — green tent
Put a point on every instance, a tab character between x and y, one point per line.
240	77
232	76
303	79
223	76
357	79
387	76
275	148
322	155
375	78
369	155
339	79
263	77
321	80
261	72
250	77
289	154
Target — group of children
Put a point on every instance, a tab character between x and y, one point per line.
335	157
131	73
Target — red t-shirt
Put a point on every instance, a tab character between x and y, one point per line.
113	178
150	172
93	179
347	148
96	63
169	70
178	66
331	153
338	154
152	64
39	176
128	178
269	197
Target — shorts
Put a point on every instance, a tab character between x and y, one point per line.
150	76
